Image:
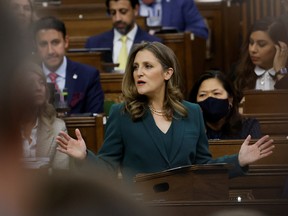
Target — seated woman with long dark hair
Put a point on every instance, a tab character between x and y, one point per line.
263	62
217	99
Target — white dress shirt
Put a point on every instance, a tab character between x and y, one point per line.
265	80
61	72
117	43
152	12
29	149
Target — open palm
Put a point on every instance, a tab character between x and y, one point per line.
75	148
251	153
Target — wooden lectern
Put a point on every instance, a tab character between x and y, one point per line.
193	182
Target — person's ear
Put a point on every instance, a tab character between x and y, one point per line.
66	40
168	73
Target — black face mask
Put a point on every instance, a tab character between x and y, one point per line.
214	109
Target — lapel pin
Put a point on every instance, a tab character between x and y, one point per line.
75	76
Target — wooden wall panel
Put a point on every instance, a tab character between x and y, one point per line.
223	18
253	10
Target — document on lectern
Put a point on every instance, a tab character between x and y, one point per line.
198	166
214	166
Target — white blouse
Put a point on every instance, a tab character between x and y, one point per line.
265	80
29	149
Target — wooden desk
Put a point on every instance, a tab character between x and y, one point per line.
265	178
220	148
257	101
260	182
209	208
272	124
93	59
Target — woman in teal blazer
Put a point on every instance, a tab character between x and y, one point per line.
155	129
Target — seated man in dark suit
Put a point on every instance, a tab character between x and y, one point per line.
82	82
123	14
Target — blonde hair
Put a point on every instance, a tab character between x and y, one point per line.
136	104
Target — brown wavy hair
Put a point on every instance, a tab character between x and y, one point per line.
46	112
136	104
245	76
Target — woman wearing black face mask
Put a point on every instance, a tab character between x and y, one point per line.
216	97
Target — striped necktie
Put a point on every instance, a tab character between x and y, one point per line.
53	78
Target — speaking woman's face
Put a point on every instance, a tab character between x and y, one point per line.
149	76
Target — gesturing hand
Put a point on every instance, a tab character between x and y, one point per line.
251	153
72	147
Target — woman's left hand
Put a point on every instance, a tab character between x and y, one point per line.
280	59
251	153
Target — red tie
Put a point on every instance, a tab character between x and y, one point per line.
53	77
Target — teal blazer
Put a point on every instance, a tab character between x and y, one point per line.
136	147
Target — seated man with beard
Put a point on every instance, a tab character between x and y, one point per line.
125	31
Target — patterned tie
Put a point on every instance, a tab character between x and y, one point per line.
53	77
122	58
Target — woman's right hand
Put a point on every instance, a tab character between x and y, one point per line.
75	148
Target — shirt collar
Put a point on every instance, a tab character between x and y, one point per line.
130	36
260	71
61	71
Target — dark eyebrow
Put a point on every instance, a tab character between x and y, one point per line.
147	62
213	90
261	40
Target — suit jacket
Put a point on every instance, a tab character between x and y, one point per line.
137	148
184	16
46	144
105	40
85	94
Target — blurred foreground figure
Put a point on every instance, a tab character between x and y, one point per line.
12	177
66	195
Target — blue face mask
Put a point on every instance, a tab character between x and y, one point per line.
214	109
